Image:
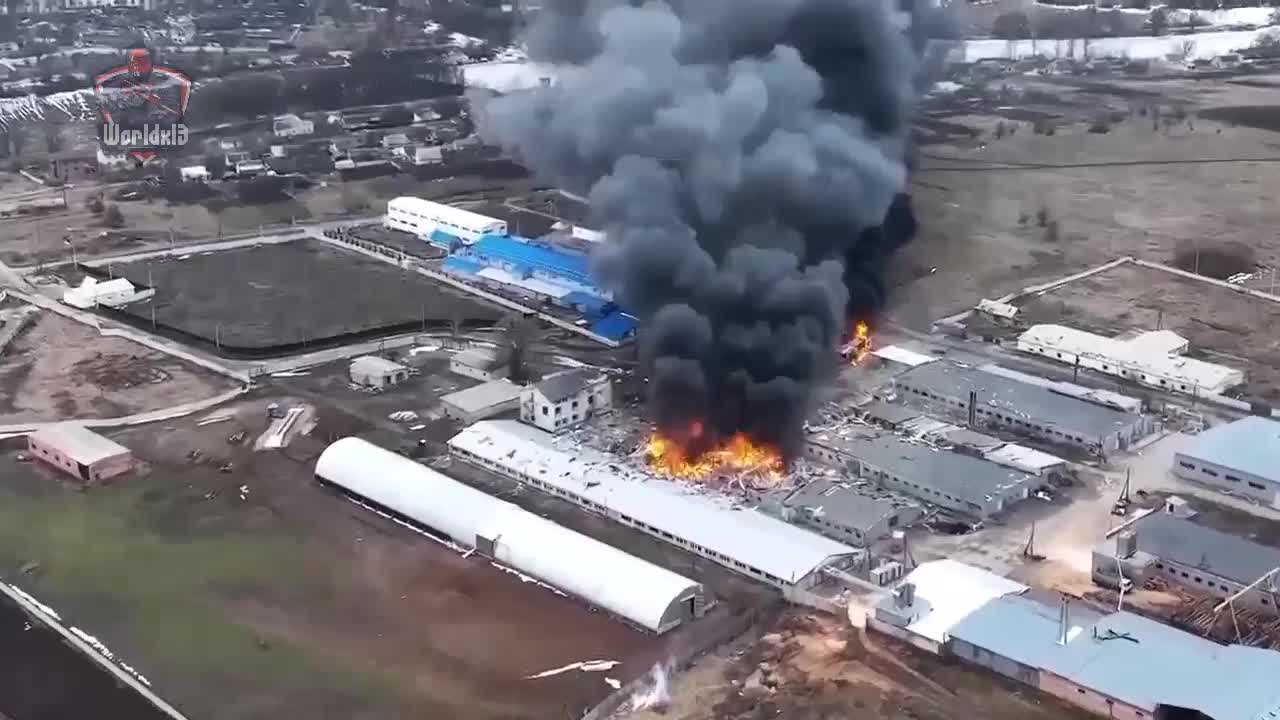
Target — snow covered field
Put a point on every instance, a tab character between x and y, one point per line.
1202	46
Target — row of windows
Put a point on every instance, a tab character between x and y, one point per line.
579	500
883	477
992	414
400	214
1214	473
1209	583
1123	372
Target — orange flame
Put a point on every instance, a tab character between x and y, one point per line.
740	454
860	345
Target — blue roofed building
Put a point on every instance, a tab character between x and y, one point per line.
1114	664
1242	457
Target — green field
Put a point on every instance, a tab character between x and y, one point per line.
153	568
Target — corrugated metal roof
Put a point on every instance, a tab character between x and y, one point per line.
434	211
1127	657
78	443
1019	399
1152	358
610	578
1023	458
950	473
374	365
902	355
565	384
1250	445
479	358
1191	544
615	326
946	592
535	257
843	505
485	395
699	517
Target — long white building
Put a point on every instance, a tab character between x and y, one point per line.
1152	358
423	218
643	593
744	540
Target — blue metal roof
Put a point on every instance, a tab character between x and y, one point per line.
1130	658
526	255
587	303
1250	445
615	326
443	239
462	266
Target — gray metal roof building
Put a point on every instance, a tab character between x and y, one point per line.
851	514
482	401
1022	407
1120	659
1242	456
565	384
949	479
1179	540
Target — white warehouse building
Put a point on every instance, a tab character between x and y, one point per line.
636	590
423	217
746	541
1152	358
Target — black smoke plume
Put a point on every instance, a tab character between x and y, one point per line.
746	158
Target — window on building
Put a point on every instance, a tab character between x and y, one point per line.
1187	465
1199	579
544	409
1232	478
1210	473
1257	486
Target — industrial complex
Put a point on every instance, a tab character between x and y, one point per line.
481	252
470	363
1115	664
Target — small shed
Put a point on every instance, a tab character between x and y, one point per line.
79	452
375	372
482	401
478	364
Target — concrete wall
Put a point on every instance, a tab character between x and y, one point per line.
996	663
476	415
1202	582
100	471
1089	700
902	634
475	373
1224	478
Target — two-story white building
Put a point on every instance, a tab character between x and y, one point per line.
566	399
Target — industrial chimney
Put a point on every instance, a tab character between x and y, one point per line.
973	408
1064	620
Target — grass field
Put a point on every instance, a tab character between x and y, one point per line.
107	558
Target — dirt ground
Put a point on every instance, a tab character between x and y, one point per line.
1143	188
812	667
256	593
60	369
296	292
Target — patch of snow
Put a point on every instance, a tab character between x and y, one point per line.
583	665
39	605
1203	46
613	683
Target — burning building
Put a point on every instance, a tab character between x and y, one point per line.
746	541
746	161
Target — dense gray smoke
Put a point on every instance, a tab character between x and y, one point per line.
742	156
